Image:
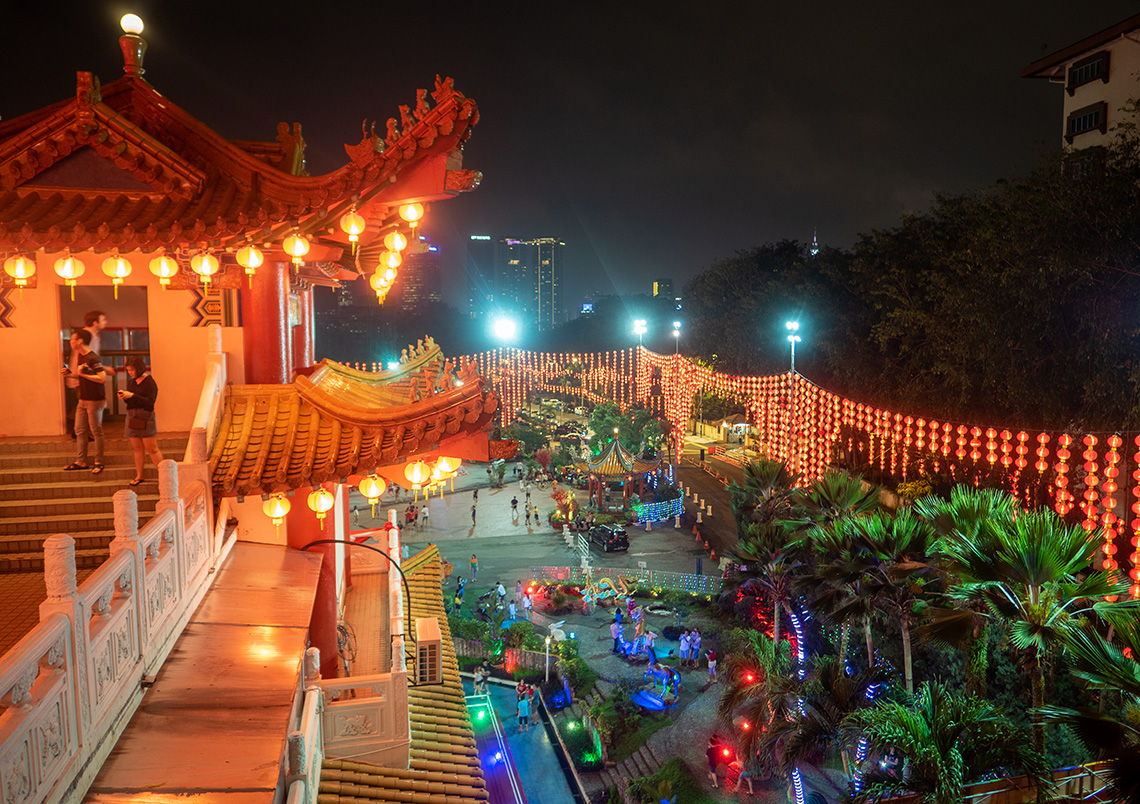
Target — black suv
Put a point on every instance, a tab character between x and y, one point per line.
609	538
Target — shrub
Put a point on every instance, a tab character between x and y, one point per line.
583	752
683	785
468	629
518	635
580	675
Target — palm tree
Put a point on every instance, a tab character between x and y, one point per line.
962	516
1114	738
1033	575
836	585
898	572
765	496
757	673
837	496
946	740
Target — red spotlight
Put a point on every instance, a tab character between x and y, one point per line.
749	678
726	752
744	724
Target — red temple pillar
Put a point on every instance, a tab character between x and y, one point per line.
304	527
265	326
303	341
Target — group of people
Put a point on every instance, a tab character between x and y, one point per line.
524	694
413	514
85	376
529	509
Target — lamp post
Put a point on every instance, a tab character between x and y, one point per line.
793	327
676	337
639	329
548	658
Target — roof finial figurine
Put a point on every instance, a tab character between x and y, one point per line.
133	45
814	243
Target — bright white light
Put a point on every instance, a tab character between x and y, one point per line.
393	365
676	325
794	339
131	23
505	329
639	327
793	325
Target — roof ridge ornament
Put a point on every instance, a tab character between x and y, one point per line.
132	45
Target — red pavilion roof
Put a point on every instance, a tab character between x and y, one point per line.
122	167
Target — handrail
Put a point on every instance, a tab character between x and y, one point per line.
208	414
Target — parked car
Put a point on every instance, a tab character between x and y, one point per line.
581	411
553	403
609	538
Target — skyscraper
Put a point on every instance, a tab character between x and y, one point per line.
479	265
418	283
549	282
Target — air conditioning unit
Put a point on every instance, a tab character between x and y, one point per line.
429	651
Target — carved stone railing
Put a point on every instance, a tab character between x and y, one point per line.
371	727
69	688
208	415
305	749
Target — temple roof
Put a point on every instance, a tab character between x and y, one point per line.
617	461
443	763
122	167
338	422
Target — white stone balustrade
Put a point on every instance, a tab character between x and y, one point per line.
69	687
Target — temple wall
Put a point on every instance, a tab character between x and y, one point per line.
32	391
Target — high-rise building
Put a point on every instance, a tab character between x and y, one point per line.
479	264
663	288
418	283
516	291
549	282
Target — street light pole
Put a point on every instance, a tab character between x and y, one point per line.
676	337
639	329
793	339
548	659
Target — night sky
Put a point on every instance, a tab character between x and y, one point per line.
653	139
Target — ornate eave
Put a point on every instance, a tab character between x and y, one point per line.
121	167
338	422
615	461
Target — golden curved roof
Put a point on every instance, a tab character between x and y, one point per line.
339	422
616	461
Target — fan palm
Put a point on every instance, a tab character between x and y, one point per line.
758	684
1034	575
1115	739
837	496
836	585
946	740
764	497
962	517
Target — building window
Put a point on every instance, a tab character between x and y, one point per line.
1086	119
1088	70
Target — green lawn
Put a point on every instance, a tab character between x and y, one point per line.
650	723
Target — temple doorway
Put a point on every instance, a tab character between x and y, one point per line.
126	335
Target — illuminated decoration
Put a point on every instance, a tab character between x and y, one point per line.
118	269
381	283
412	213
1134	573
1063	499
322	501
165	268
296	246
394	241
131	23
373	488
1109	522
1092	480
391	259
660	511
69	269
353	225
276	508
21	269
418	474
250	258
205	265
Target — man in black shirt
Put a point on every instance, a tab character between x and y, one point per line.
92	399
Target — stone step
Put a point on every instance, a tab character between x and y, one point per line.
34	562
84	540
30	509
62	522
65	445
657	763
52	484
116	451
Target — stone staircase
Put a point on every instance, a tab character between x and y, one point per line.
643	762
38	498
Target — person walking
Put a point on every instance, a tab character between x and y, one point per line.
695	649
712	753
457	603
514	507
512	609
615	632
712	666
474	561
92	400
356	516
475	497
683	650
527	604
140	395
426	511
518	590
501	591
472	516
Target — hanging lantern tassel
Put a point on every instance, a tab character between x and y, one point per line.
118	269
321	501
69	269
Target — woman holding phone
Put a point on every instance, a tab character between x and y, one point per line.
140	394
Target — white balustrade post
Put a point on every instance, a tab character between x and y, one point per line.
312	668
63	598
395	596
198	445
214	339
126	506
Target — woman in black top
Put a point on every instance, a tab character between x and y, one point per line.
140	395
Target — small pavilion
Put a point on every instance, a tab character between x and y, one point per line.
616	464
